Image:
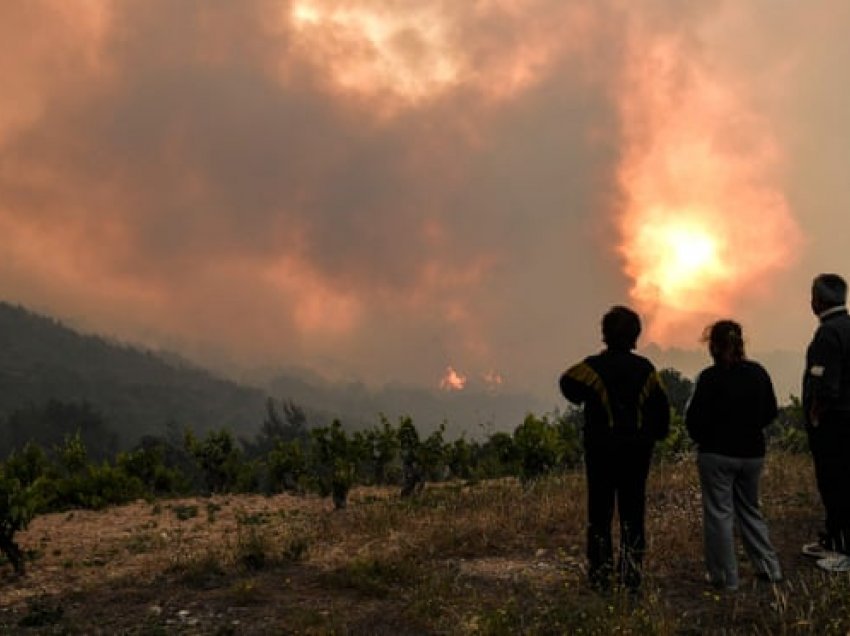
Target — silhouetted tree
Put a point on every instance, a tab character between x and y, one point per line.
49	425
17	508
539	446
332	462
218	458
277	427
679	389
378	449
413	477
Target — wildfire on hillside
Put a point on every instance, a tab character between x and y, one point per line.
493	380
452	380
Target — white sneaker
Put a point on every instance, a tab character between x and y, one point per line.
838	563
817	551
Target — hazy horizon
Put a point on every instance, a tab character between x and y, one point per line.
384	191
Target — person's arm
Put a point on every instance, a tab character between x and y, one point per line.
696	413
770	407
579	382
658	408
824	371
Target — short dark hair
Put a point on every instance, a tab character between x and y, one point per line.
725	340
620	328
830	290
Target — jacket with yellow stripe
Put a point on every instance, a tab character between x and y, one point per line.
622	397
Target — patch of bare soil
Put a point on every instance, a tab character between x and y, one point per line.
285	564
70	551
134	560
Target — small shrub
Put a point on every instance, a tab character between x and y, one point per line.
253	546
203	570
218	459
42	612
497	457
295	549
253	518
286	466
539	447
332	463
17	507
185	512
375	577
147	465
247	592
677	445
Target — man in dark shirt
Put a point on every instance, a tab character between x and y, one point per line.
826	405
625	412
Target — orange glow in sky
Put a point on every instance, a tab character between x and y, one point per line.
319	310
350	185
372	49
705	223
676	260
404	54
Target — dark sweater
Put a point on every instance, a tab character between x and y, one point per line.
622	397
730	408
826	384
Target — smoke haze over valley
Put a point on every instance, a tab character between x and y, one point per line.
444	195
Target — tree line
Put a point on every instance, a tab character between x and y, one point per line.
61	456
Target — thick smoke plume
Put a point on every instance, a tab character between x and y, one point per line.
385	189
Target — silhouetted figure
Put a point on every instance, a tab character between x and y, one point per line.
732	404
625	412
826	405
13	552
413	478
412	473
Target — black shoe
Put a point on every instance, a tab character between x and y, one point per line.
764	576
720	585
600	584
827	542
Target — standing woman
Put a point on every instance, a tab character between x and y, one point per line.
732	404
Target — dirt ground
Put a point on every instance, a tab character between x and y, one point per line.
185	566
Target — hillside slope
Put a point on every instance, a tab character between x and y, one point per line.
140	392
137	391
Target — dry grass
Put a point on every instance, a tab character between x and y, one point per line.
493	558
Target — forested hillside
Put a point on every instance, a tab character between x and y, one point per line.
137	391
51	374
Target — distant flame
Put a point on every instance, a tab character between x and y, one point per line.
493	379
452	380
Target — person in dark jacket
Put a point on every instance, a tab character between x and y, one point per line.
625	412
826	407
733	402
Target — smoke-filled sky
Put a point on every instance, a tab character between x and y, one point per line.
381	189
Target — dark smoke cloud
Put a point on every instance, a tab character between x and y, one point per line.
193	174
